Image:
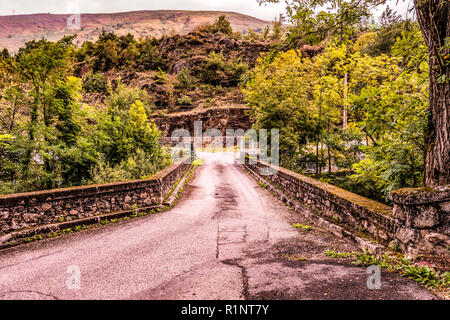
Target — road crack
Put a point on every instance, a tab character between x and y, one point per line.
235	263
2	294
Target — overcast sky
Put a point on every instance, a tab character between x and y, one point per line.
250	7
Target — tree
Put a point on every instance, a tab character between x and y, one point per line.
434	20
42	65
221	25
389	17
277	94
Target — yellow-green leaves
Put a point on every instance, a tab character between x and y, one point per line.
138	116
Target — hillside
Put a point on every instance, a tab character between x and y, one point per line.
15	30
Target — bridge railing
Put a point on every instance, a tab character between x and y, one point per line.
31	209
417	224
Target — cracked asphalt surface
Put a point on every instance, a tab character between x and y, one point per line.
226	238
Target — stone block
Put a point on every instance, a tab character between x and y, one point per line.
438	239
4	215
399	213
407	235
30	217
46	206
445	207
423	217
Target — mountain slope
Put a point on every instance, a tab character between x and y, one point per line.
15	30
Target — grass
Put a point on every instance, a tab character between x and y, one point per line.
335	254
302	226
419	272
262	185
198	162
173	188
185	182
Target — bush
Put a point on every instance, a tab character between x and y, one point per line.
216	71
185	80
95	83
185	101
139	165
221	25
104	173
160	77
149	57
252	35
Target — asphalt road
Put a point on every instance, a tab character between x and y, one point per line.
226	238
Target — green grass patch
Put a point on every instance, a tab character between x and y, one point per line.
262	185
421	273
336	254
198	162
302	226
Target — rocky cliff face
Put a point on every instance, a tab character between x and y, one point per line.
191	50
235	117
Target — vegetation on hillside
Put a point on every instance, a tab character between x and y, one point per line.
354	115
352	111
72	116
50	139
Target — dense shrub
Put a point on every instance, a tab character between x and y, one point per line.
94	82
185	101
120	52
221	25
185	79
216	71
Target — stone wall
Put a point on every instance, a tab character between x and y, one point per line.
31	209
423	216
359	214
419	221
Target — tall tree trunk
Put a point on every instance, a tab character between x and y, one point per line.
345	120
433	17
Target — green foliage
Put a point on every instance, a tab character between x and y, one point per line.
148	57
160	77
421	273
252	35
221	25
312	21
278	96
386	38
125	127
387	103
185	101
216	70
95	83
53	140
278	31
120	52
302	226
335	254
426	276
185	79
102	172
